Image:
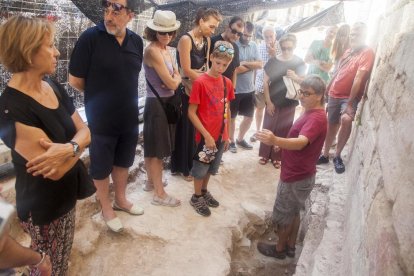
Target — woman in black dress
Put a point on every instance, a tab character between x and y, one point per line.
46	135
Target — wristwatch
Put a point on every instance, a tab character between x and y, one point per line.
76	148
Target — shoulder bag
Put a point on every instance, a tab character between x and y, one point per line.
173	107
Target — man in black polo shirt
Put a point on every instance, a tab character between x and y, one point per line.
105	65
232	33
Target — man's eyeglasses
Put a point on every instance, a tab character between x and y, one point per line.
233	31
116	7
305	93
286	49
167	33
222	49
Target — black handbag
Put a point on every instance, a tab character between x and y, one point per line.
86	187
173	107
204	154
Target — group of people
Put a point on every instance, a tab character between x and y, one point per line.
220	77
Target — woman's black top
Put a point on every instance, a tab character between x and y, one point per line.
197	56
276	69
44	199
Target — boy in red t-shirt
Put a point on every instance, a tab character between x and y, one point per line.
209	111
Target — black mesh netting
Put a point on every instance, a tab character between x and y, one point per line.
186	10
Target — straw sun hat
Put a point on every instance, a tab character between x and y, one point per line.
164	21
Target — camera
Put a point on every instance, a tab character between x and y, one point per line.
6	213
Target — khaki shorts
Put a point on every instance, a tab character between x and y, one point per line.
290	199
259	100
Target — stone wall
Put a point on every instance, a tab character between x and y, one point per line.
379	222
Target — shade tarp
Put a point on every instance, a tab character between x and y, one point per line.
328	17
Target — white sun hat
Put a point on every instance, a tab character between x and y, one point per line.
164	21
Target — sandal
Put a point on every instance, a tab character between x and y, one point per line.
168	201
188	178
263	161
148	186
276	164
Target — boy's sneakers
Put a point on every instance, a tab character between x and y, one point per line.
244	144
322	160
210	200
339	165
200	205
232	147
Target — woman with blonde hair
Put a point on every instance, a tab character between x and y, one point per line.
162	80
340	44
192	57
46	135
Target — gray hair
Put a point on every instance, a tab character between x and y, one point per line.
316	83
268	28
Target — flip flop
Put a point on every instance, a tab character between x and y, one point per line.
276	164
263	161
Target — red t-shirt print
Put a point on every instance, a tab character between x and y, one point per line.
207	92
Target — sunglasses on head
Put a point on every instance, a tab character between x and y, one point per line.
165	33
222	49
115	6
233	31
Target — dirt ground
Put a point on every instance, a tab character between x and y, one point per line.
178	241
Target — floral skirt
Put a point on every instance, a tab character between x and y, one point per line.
55	239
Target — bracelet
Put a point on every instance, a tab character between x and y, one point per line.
43	254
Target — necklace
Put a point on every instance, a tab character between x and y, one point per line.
198	43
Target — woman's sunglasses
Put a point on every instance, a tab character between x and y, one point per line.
115	6
224	49
165	33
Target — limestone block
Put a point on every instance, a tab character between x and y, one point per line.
407	21
381	241
403	222
255	214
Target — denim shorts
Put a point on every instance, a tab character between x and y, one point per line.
290	199
200	169
336	107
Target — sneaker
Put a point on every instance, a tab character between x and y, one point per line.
232	147
210	200
244	144
290	251
322	160
339	165
200	206
253	138
269	250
